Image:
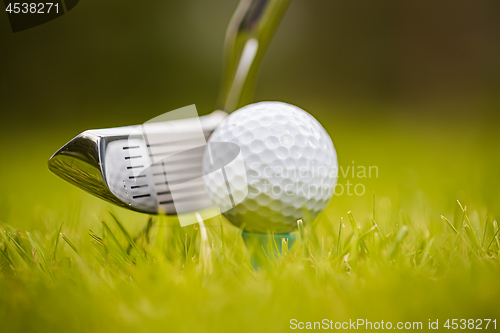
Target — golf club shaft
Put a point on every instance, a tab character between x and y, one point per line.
247	38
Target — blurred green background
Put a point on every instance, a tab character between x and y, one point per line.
411	87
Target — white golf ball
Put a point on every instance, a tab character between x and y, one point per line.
288	169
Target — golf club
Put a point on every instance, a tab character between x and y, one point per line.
109	163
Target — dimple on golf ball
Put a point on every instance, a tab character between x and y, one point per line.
288	169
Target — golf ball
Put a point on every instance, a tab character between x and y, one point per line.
288	167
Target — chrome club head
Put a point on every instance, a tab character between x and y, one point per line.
120	165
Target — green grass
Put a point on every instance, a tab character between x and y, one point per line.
70	262
181	279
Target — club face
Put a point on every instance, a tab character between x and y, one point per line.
116	165
89	161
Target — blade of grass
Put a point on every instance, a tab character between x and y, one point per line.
355	225
493	239
339	240
484	233
426	257
70	244
18	247
357	231
284	246
471	236
95	237
495	224
302	234
450	224
459	235
467	227
273	238
222	233
56	242
192	245
43	261
5	255
368	232
115	240
13	253
186	246
148	229
205	249
463	209
400	236
373	218
127	236
144	232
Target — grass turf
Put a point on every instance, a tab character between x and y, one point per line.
69	264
